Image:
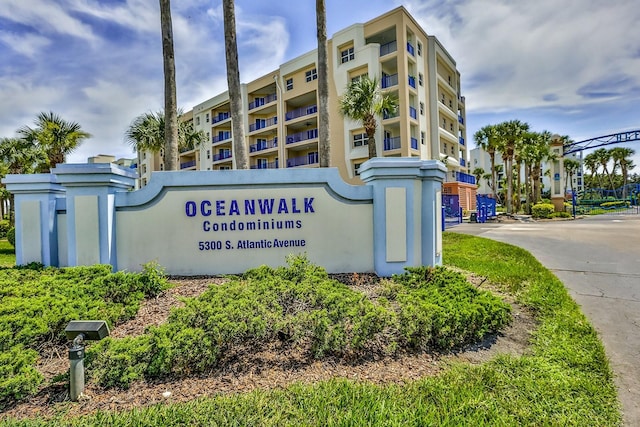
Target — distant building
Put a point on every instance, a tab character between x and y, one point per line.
280	108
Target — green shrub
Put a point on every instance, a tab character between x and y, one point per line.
5	225
302	307
11	236
615	204
562	214
38	303
542	210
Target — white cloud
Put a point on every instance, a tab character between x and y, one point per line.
28	44
538	54
45	16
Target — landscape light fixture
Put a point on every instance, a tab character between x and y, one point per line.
79	331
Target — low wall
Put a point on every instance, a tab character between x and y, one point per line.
206	222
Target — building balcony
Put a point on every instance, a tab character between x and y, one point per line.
302	136
259	102
460	119
465	177
263	145
388	81
413	113
265	165
309	159
410	49
412	81
222	136
392	143
222	156
301	112
263	123
388	48
392	115
220	117
461	140
187	165
414	143
463	162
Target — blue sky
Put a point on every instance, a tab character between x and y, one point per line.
572	68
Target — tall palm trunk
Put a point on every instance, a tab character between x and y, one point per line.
324	146
494	175
170	99
370	126
233	80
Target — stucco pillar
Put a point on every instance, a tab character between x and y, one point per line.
406	210
90	203
35	201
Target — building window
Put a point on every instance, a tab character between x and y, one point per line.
225	168
451	126
360	139
420	79
208	154
444	122
357	78
422	138
419	49
289	84
356	168
311	75
262	163
452	150
206	117
161	166
208	136
197	120
422	108
347	55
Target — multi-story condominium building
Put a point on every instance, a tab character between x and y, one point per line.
280	108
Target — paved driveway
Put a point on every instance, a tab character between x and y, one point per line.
598	260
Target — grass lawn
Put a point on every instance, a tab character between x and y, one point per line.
7	254
565	380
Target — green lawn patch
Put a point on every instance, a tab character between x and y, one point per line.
7	254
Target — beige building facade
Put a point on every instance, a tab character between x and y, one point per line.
281	116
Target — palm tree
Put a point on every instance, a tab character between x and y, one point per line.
621	158
592	164
18	156
510	136
54	136
478	173
486	139
324	146
535	150
571	167
233	80
146	133
170	100
604	156
363	101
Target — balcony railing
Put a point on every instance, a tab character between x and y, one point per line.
300	112
309	159
413	113
263	123
412	81
270	165
302	136
222	136
222	156
392	143
187	165
465	177
414	143
259	102
410	49
388	48
463	162
263	145
388	81
386	115
461	139
460	119
220	117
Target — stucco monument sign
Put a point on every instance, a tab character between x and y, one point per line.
204	222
